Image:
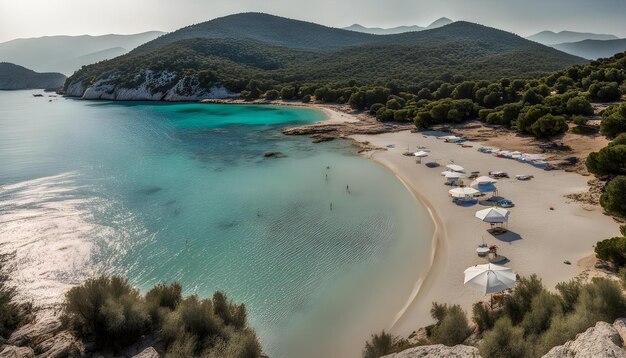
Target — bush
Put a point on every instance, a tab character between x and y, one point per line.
520	300
383	344
579	105
610	160
504	340
272	95
375	107
613	199
569	291
107	310
452	327
544	306
528	116
12	313
484	316
306	98
613	121
548	126
613	250
287	92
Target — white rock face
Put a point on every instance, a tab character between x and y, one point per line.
149	352
150	88
436	351
601	341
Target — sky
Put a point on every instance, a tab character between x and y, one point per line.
33	18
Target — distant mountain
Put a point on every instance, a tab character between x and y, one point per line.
221	56
14	77
551	38
399	29
67	54
443	21
593	49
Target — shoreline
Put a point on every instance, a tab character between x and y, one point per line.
447	257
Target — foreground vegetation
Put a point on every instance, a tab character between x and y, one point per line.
113	314
12	313
528	322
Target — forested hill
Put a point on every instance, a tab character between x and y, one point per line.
230	51
14	77
265	28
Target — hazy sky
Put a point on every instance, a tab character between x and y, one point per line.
29	18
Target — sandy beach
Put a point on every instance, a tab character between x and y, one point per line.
546	228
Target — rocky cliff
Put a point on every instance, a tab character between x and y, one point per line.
149	86
604	340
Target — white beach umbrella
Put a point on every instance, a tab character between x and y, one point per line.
489	278
484	180
455	167
463	192
493	215
453	175
421	154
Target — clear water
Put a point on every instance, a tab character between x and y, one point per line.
181	192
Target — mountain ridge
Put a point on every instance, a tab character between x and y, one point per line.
593	49
227	53
15	77
398	29
62	53
551	38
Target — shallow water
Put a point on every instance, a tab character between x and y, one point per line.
181	192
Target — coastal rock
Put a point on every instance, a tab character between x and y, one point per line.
274	155
436	351
149	352
17	352
35	332
149	86
62	345
602	340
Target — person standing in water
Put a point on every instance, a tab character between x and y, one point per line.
348	189
331	206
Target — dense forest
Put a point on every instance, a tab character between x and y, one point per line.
237	49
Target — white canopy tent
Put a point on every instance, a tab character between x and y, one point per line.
463	192
493	215
453	175
421	154
455	168
484	180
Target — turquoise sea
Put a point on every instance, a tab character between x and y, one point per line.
162	192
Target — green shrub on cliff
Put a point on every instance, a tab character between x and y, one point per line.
113	314
12	313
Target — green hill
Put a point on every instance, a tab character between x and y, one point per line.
233	50
14	77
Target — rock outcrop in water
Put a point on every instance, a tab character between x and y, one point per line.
149	86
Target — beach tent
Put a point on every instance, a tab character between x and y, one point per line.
484	180
463	192
453	175
421	154
455	167
489	278
493	215
484	188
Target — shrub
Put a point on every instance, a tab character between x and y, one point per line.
569	292
504	340
452	327
484	316
230	313
548	126
610	160
375	107
12	313
613	121
528	116
520	300
287	92
579	105
272	95
306	98
613	199
544	306
108	310
613	250
383	344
